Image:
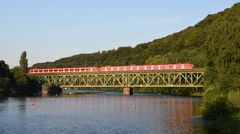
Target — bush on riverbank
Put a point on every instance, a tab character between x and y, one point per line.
217	108
54	89
219	104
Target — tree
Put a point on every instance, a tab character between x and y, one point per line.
24	86
4	69
5	80
21	81
24	62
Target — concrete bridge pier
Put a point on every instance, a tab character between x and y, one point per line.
127	91
45	89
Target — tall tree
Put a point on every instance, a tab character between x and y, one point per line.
24	62
4	69
5	80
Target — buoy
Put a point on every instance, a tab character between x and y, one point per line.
33	104
134	106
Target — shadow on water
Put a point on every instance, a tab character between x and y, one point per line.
22	104
226	126
221	126
2	103
13	104
3	99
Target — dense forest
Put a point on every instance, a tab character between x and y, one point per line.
189	45
213	43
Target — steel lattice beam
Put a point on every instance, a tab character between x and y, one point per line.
125	79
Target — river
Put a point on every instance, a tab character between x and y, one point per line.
101	113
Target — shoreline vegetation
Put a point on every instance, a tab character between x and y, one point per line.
193	92
15	82
213	44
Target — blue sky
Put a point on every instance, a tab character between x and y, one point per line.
53	29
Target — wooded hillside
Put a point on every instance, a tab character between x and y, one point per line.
189	45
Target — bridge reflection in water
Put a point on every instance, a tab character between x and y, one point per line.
100	113
126	80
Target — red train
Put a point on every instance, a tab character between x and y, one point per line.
163	67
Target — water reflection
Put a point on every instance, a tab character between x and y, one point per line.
2	104
100	113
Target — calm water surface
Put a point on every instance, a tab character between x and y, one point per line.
100	114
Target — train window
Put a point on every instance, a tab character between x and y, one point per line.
76	70
166	67
50	70
182	66
40	71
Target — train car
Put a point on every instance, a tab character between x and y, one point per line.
62	70
147	67
162	67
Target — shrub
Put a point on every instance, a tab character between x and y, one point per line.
217	108
234	98
54	89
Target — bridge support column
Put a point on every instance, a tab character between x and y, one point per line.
45	89
127	91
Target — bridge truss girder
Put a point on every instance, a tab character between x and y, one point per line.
125	79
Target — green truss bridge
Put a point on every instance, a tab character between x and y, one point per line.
127	80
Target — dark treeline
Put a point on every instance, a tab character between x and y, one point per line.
15	82
213	43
